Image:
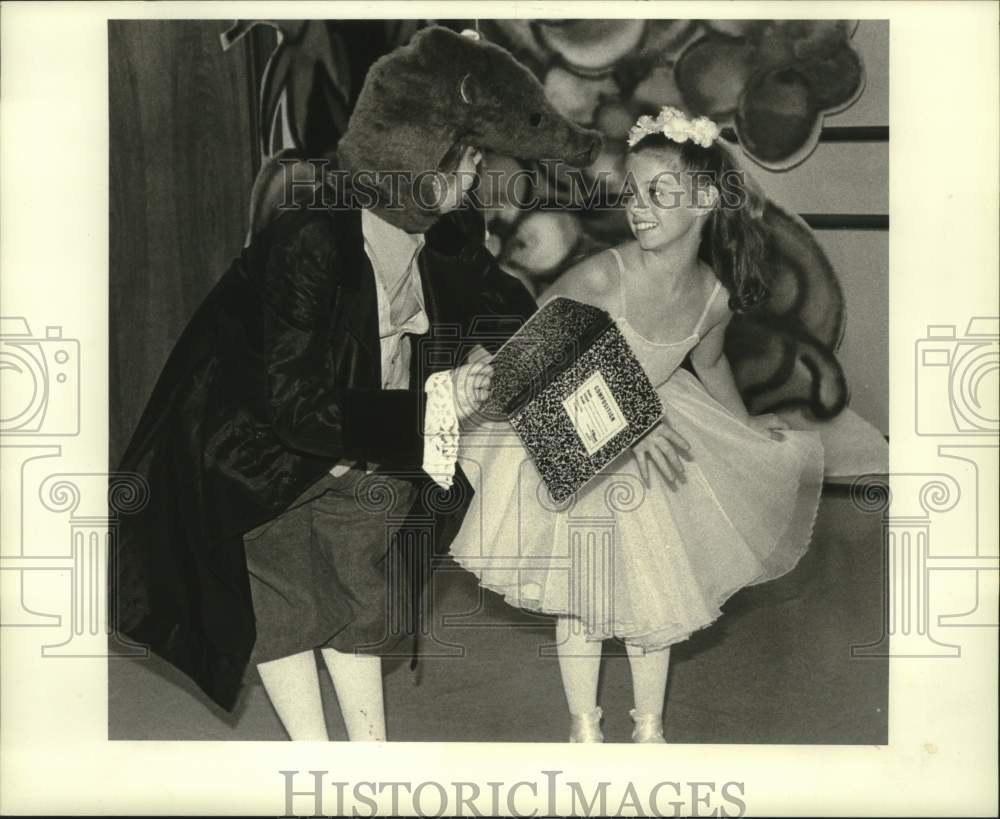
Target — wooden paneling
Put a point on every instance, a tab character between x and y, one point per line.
181	164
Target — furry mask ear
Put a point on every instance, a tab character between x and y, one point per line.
469	90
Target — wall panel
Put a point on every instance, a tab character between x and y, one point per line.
181	165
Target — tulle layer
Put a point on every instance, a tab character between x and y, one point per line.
649	565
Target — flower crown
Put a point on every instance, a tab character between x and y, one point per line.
674	124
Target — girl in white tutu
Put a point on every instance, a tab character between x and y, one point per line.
650	549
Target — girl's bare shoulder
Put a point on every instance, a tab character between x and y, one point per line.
593	280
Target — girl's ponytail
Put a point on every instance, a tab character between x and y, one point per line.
735	240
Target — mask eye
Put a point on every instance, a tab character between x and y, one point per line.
535	120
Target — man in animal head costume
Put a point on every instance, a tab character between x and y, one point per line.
444	90
305	407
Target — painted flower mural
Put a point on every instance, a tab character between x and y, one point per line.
771	82
784	77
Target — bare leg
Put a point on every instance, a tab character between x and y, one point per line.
292	685
649	684
580	666
357	679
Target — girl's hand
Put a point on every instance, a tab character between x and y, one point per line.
768	423
667	449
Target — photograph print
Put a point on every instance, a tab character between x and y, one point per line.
517	380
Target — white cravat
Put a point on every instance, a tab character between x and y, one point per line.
393	253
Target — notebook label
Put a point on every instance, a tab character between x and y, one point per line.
594	413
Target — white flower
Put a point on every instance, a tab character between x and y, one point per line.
644	125
676	128
674	125
669	112
703	131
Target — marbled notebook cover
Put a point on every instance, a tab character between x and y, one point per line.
547	343
574	392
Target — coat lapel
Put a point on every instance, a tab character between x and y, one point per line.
431	301
358	299
441	267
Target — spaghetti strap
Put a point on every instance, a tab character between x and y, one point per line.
621	276
704	313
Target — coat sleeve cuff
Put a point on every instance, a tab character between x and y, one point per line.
440	430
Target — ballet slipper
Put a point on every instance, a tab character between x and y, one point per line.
587	727
648	727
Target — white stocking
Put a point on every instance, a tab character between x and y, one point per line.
579	664
357	679
649	678
292	685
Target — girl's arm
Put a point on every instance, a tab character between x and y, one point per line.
712	366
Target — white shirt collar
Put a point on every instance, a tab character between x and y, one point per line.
393	254
394	247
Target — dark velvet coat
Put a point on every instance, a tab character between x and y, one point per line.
276	378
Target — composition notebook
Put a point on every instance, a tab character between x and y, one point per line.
574	392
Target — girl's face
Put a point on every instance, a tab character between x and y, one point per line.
660	205
461	180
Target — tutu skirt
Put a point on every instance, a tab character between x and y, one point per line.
647	564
